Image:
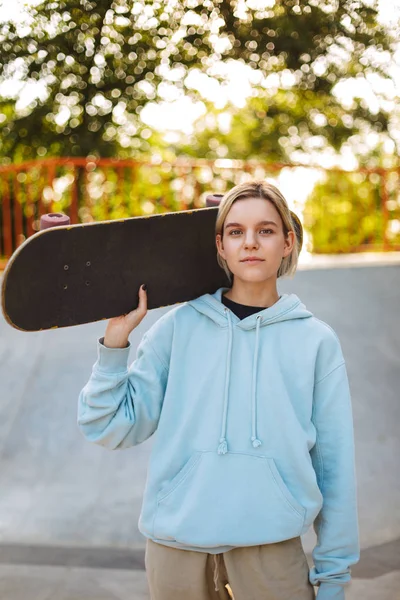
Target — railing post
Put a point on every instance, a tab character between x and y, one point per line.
41	210
17	207
134	205
7	224
73	212
384	209
29	205
120	186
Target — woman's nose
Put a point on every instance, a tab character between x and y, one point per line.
250	240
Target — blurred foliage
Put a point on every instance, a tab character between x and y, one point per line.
297	126
345	211
143	191
101	61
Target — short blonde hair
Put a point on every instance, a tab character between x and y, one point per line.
267	191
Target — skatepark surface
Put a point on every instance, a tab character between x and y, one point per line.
69	509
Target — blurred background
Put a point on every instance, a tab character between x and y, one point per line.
113	109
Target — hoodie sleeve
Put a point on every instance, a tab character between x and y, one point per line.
120	407
333	457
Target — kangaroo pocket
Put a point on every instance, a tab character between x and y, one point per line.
230	499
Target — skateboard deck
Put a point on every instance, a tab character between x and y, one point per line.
76	274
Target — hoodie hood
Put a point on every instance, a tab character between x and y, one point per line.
288	307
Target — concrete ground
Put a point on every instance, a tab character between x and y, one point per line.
69	510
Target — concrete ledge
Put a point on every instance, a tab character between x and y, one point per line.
360	259
67	583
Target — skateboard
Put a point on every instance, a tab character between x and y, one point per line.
68	275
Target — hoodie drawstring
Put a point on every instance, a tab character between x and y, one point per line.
216	572
223	446
255	441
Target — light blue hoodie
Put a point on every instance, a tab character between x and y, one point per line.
254	431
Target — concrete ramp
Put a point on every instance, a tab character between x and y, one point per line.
56	488
59	490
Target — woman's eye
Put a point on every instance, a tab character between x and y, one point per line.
238	230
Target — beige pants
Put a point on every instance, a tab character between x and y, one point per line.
269	572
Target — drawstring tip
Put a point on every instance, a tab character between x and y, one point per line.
223	447
256	442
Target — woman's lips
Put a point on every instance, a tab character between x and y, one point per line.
253	260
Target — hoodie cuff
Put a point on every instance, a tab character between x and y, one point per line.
112	360
330	591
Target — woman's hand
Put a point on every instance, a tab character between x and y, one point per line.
119	328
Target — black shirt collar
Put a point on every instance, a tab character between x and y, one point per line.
241	310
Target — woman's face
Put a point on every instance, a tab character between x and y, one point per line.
253	227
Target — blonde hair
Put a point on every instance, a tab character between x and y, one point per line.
267	191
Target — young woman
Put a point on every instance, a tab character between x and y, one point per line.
248	394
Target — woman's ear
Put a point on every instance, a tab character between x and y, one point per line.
289	243
219	244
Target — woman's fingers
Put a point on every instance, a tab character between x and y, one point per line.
139	313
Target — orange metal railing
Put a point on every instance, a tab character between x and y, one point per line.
347	212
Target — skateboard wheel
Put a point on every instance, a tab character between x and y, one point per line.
214	199
53	220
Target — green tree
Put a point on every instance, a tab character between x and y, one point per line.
102	61
345	212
